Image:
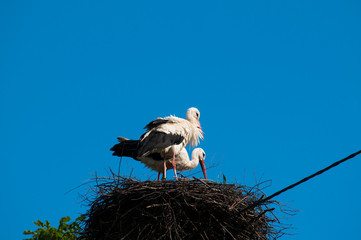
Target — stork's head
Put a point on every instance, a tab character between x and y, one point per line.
201	156
193	116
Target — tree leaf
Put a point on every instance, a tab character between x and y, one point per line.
39	223
224	179
64	219
47	224
80	218
27	232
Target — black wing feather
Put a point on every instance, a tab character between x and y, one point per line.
127	148
155	123
155	156
158	140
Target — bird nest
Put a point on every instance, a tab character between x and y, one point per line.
125	208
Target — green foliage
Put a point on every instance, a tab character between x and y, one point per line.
224	178
65	230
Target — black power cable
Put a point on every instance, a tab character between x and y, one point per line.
301	181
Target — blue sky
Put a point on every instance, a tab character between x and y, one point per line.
278	85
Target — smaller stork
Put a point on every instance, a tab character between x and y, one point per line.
155	161
182	162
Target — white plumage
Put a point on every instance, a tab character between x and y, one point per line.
189	129
182	161
165	137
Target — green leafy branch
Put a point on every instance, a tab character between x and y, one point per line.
65	230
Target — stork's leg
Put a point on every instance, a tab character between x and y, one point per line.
159	176
174	167
164	170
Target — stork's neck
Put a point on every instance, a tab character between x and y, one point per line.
196	132
193	121
188	165
195	135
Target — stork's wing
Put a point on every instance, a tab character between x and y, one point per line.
126	148
158	140
155	123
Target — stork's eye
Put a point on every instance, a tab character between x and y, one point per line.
197	114
204	155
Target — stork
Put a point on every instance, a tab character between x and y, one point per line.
184	164
155	162
165	137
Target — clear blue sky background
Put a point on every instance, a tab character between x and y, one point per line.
278	84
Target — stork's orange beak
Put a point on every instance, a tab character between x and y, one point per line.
203	166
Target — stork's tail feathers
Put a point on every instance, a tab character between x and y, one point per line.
126	148
122	139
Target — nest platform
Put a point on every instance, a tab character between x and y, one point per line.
125	208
